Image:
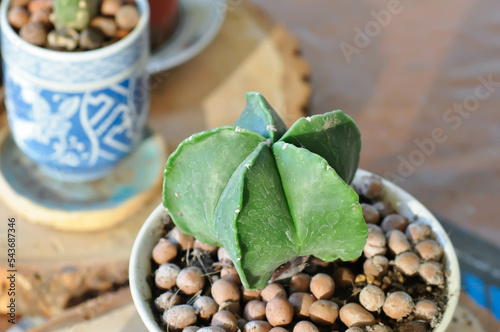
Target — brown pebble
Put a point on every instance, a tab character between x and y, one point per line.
37	5
205	307
33	34
372	298
120	34
429	250
249	295
279	312
432	273
211	329
190	280
167	300
300	283
278	329
184	240
322	286
104	24
301	302
305	326
324	312
127	17
211	249
18	17
257	326
64	39
375	243
380	328
254	310
225	290
408	263
426	310
343	277
384	208
41	17
353	314
371	187
166	275
397	242
394	221
110	7
377	266
164	251
398	305
370	214
179	317
226	320
414	326
318	262
230	273
418	231
19	3
223	256
231	306
355	329
271	291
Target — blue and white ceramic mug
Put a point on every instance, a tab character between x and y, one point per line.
77	114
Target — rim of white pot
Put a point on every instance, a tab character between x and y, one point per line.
49	54
406	204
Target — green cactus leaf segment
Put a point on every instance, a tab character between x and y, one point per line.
197	173
268	203
260	117
334	136
75	14
252	220
327	215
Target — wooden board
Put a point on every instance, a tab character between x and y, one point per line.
250	53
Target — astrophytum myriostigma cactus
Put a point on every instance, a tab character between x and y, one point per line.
268	194
75	14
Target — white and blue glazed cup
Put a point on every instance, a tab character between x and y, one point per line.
77	114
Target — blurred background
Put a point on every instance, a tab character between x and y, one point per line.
403	75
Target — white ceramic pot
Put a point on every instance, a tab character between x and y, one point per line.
77	114
407	205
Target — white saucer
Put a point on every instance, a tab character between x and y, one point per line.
200	20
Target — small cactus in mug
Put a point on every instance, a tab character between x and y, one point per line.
268	194
75	14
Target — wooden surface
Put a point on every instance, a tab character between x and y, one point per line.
399	86
250	53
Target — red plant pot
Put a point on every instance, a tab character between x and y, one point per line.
164	18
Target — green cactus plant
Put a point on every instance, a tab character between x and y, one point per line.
268	194
75	14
